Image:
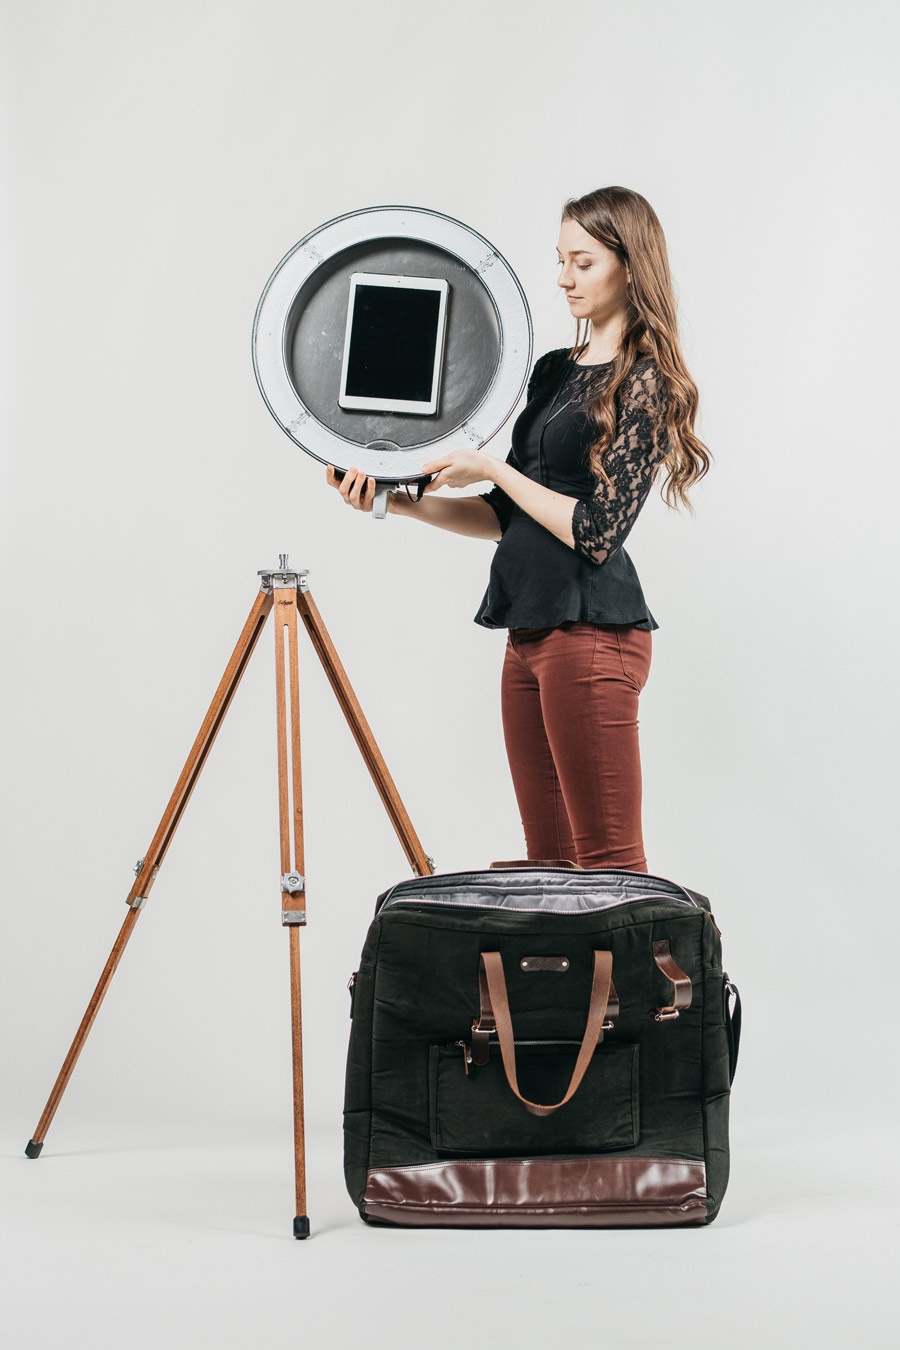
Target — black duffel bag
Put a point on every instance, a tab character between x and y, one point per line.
540	1046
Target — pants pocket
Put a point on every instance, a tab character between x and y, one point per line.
634	653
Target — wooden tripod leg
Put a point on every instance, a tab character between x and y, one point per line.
150	864
293	879
362	732
301	1221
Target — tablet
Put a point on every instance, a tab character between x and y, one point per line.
394	343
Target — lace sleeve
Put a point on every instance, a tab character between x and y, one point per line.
602	522
499	500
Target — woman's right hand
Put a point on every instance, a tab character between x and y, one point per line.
352	487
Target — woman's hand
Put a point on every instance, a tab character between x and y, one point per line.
352	486
459	469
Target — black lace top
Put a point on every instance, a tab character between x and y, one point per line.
536	580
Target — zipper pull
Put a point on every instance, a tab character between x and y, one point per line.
351	985
467	1054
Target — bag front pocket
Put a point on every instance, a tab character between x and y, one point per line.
477	1113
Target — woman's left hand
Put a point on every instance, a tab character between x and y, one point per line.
459	469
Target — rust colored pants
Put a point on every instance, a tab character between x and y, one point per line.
569	699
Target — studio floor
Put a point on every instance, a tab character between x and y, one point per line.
167	1241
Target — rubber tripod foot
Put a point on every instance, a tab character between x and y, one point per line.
33	1150
301	1226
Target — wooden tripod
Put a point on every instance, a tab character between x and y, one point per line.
287	591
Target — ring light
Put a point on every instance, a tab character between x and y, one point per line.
302	325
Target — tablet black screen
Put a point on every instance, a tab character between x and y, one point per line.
392	342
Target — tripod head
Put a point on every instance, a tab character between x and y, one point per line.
283	576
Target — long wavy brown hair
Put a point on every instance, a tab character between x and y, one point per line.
625	222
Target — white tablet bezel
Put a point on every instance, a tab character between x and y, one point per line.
391	281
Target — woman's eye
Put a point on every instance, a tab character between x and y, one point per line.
582	267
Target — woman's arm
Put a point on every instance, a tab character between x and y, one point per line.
460	468
483	517
471	516
596	525
551	509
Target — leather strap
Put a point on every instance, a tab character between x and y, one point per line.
734	1015
481	1030
664	959
486	1025
539	862
490	971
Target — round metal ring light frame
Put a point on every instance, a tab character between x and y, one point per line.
274	325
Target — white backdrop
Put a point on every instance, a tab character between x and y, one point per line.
159	159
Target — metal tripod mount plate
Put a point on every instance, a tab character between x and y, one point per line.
285	591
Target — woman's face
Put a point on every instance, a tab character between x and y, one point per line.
594	279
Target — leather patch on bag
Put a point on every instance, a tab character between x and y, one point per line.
558	963
594	1192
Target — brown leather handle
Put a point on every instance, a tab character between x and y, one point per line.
540	862
491	964
666	962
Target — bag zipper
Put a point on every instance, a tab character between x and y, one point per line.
573	913
552	1040
450	877
466	1046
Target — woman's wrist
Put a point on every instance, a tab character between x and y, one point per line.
399	502
501	473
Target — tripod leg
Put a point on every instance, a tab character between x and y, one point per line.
301	1222
35	1144
362	733
293	880
148	868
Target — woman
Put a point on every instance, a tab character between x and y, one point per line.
601	420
